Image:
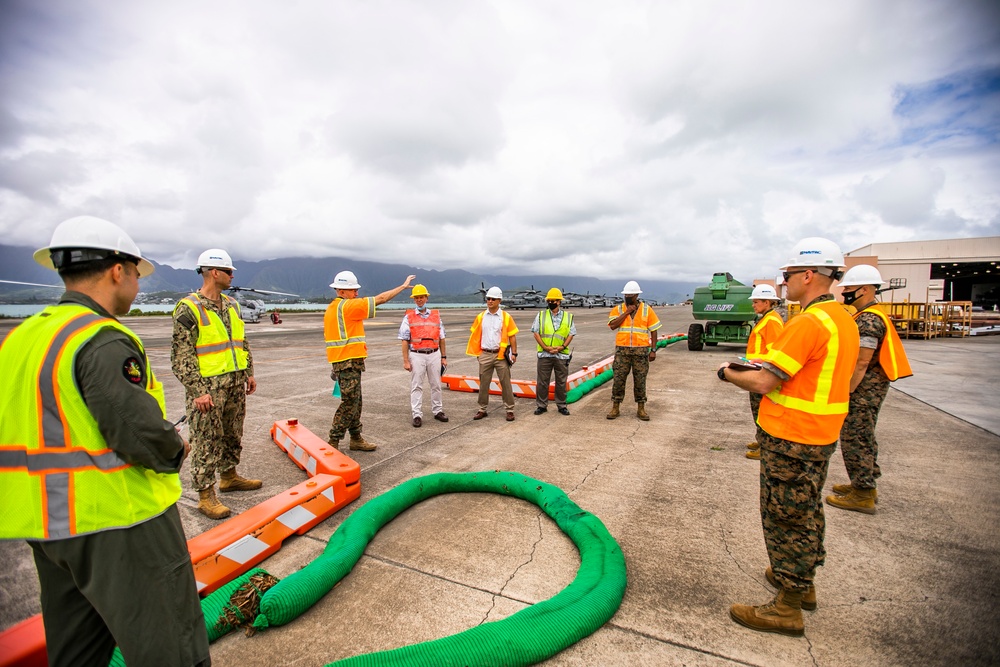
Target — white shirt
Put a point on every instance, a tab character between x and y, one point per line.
492	325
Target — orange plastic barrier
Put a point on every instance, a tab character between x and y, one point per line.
230	549
23	644
526	388
312	453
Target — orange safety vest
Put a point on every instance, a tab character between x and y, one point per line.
344	328
763	334
819	350
892	356
424	332
634	332
507	329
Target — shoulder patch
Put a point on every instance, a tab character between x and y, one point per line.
132	370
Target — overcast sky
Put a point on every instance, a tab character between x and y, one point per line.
612	139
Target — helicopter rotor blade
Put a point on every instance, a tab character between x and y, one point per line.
19	282
258	291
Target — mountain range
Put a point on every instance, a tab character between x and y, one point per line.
309	278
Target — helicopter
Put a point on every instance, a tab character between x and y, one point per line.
252	309
529	298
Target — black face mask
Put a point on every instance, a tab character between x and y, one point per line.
631	298
553	305
850	297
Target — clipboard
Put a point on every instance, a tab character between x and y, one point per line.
737	366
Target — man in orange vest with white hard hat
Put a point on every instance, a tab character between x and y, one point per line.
493	340
424	355
882	360
89	467
346	350
635	325
806	380
765	331
210	355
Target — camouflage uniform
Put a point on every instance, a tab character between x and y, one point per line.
215	435
348	416
791	508
635	359
857	437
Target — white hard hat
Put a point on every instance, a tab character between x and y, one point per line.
215	258
345	280
764	292
861	275
818	252
494	293
631	287
73	238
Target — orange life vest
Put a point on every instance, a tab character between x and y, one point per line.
344	328
819	350
635	332
424	332
763	334
892	356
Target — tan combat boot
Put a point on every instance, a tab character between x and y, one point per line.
231	481
210	506
753	454
783	614
641	412
359	443
808	598
753	445
858	500
844	489
614	410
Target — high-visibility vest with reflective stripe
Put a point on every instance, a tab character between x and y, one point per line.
58	478
218	351
634	332
892	356
819	349
425	332
550	335
507	329
763	334
344	329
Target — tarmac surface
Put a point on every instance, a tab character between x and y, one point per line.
916	584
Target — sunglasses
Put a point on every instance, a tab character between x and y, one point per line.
228	272
788	274
492	298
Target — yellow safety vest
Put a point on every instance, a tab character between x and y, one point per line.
218	351
58	478
550	335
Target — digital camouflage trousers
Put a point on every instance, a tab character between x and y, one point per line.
636	360
217	434
857	436
791	508
348	415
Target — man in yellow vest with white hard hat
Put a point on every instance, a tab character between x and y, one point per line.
346	350
211	357
881	360
89	465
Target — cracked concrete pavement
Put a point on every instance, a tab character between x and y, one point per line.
916	583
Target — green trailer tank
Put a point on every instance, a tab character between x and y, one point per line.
726	304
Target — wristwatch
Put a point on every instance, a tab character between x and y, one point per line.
722	374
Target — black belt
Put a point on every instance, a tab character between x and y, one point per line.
424	351
493	351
